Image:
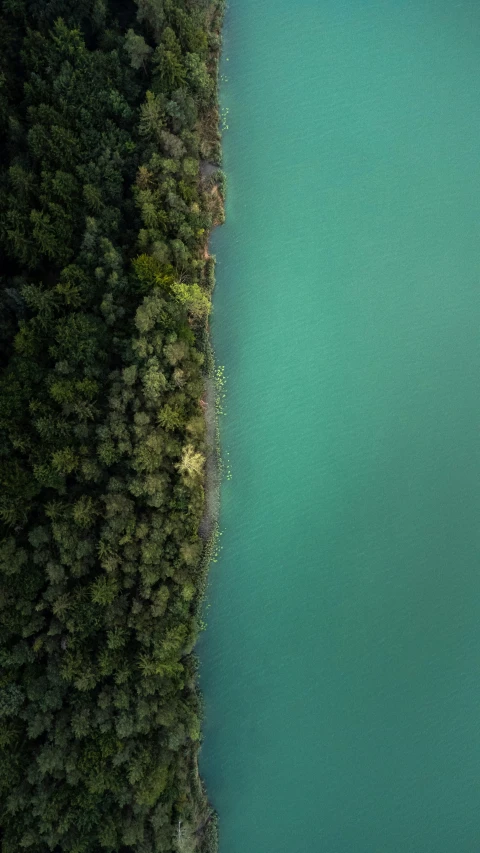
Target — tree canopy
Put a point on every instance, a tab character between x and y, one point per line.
107	110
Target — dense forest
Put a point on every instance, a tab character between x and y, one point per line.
108	191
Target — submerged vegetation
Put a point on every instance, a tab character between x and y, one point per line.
108	191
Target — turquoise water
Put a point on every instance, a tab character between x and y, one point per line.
341	663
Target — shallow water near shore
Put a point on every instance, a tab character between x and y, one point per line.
341	662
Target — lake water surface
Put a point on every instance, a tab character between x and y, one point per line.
341	663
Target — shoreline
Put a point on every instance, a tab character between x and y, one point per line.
212	183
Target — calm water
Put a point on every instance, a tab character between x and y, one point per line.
341	664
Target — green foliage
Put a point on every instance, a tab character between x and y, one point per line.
194	298
104	305
137	49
